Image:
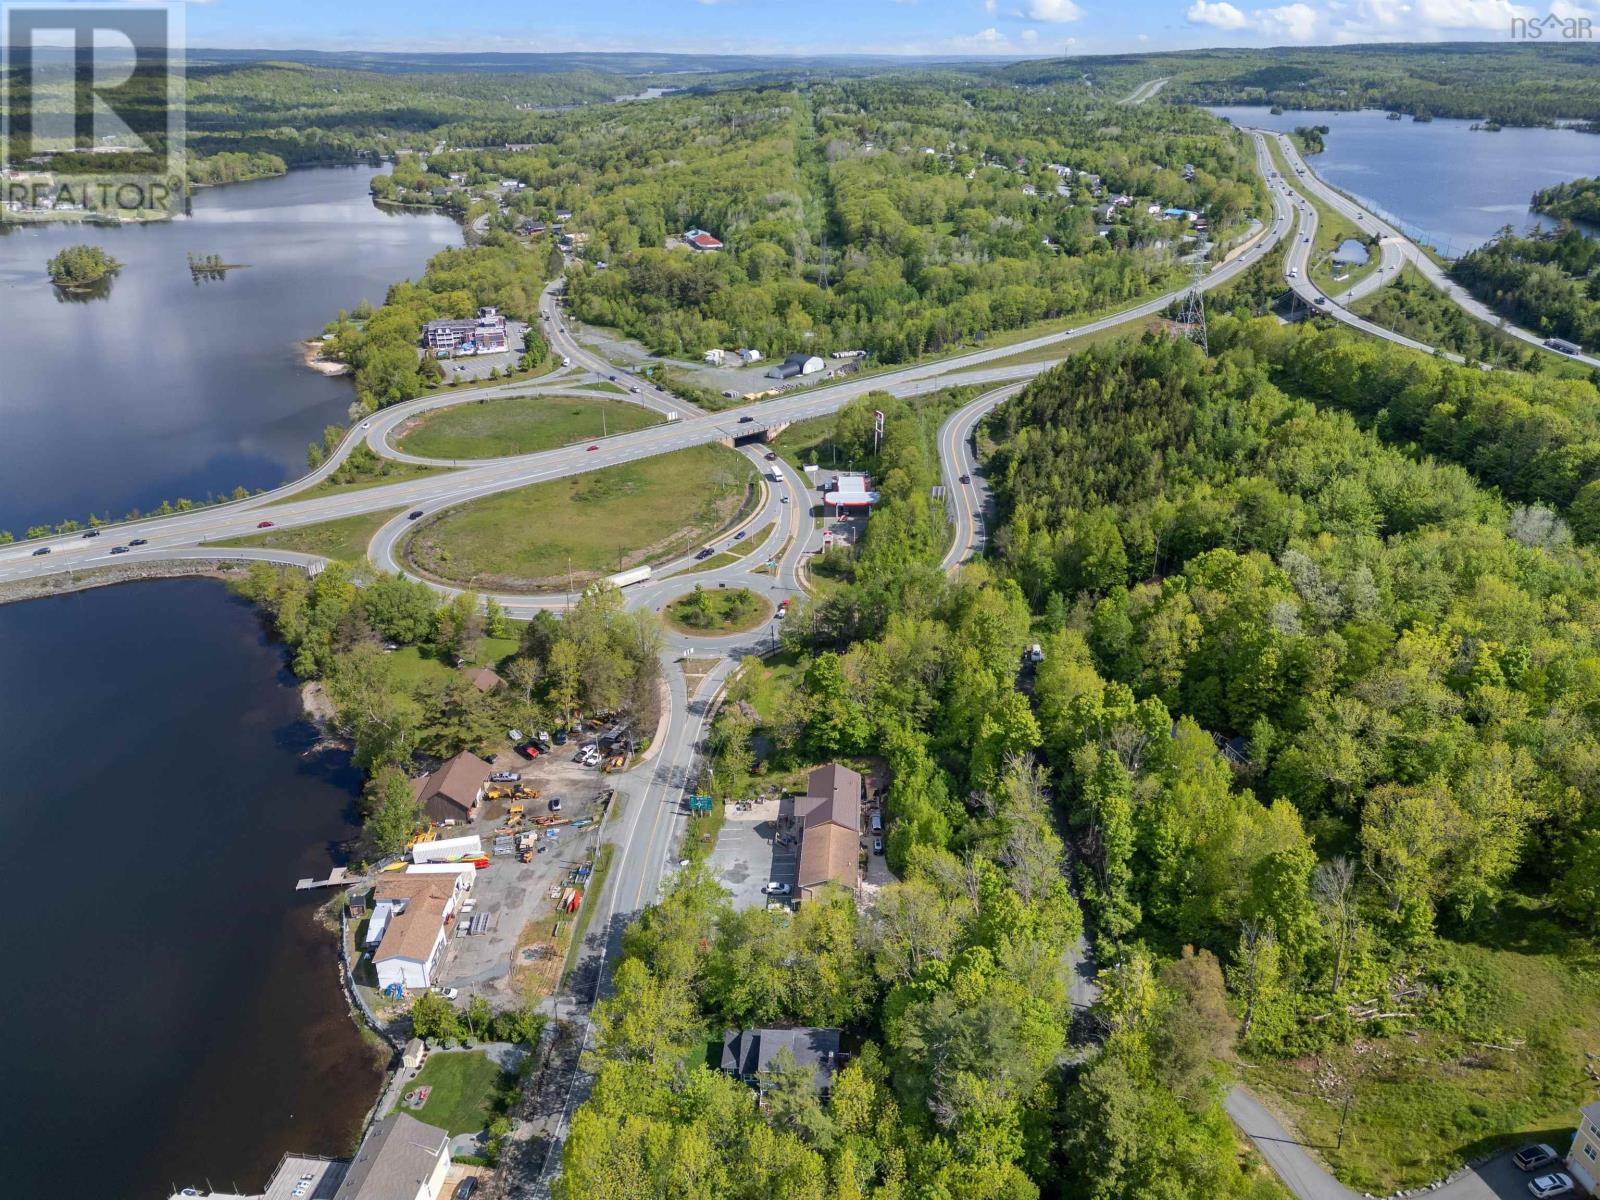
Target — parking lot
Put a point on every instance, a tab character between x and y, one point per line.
749	854
510	894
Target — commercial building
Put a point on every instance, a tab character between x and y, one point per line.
455	791
457	337
829	817
409	915
748	1054
699	239
795	365
849	490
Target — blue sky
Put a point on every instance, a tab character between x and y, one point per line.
1031	28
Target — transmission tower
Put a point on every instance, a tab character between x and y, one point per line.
1193	318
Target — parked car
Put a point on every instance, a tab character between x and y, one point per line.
119	549
139	542
466	1187
263	524
1557	1184
528	751
505	776
448	993
555	803
413	514
560	738
1530	1158
41	550
776	889
877	845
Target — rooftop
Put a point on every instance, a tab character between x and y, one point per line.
396	1158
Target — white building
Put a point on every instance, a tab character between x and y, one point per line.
714	356
445	849
748	356
409	916
850	491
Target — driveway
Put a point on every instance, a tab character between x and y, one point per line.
1308	1179
747	854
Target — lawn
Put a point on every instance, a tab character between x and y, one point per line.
731	555
390	472
1511	1070
467	1088
344	539
414	665
519	425
592	524
718	610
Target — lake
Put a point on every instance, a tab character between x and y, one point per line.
173	1010
167	387
1437	178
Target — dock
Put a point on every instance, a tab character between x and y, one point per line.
338	877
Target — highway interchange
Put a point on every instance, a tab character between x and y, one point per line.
645	825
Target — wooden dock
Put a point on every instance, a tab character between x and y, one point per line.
337	878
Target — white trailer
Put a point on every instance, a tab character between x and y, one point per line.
446	849
623	578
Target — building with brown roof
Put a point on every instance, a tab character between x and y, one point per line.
483	678
409	914
829	816
455	790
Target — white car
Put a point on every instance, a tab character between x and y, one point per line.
1558	1184
776	889
448	993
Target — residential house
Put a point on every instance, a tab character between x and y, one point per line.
409	916
531	228
1583	1160
699	239
483	679
519	147
829	816
796	364
748	1053
455	790
401	1159
457	176
563	214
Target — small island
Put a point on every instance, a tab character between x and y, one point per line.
81	267
1576	200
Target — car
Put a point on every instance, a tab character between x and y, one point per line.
1322	299
1305	239
466	1187
560	737
781	614
555	803
702	555
1558	1183
877	845
365	424
139	542
784	499
119	549
263	524
413	514
528	751
776	889
966	479
771	456
746	419
634	389
612	378
594	447
505	776
448	993
1530	1158
41	550
739	537
89	533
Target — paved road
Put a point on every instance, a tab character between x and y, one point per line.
1144	91
1412	253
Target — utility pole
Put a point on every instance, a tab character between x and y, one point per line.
1345	1114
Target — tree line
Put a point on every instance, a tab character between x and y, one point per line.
1549	283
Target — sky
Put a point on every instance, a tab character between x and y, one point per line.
1024	28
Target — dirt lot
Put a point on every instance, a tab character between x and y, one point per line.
516	896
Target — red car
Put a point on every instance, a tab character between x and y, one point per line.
528	751
594	447
263	524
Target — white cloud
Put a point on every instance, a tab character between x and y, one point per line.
1051	10
1144	37
990	5
1470	14
1296	22
1219	15
1030	35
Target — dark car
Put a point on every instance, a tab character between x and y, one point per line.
139	542
560	737
41	550
613	378
466	1187
413	514
703	554
746	419
966	479
771	456
555	803
1531	1158
89	533
739	537
119	549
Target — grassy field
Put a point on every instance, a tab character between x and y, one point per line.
413	665
467	1088
1512	1070
519	425
390	472
718	610
1332	228
596	523
344	539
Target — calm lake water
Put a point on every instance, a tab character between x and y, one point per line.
1438	178
172	1008
166	388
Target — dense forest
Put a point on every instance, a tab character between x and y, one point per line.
1510	83
1575	200
1413	306
896	216
1549	283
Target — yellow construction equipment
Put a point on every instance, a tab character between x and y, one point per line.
516	810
